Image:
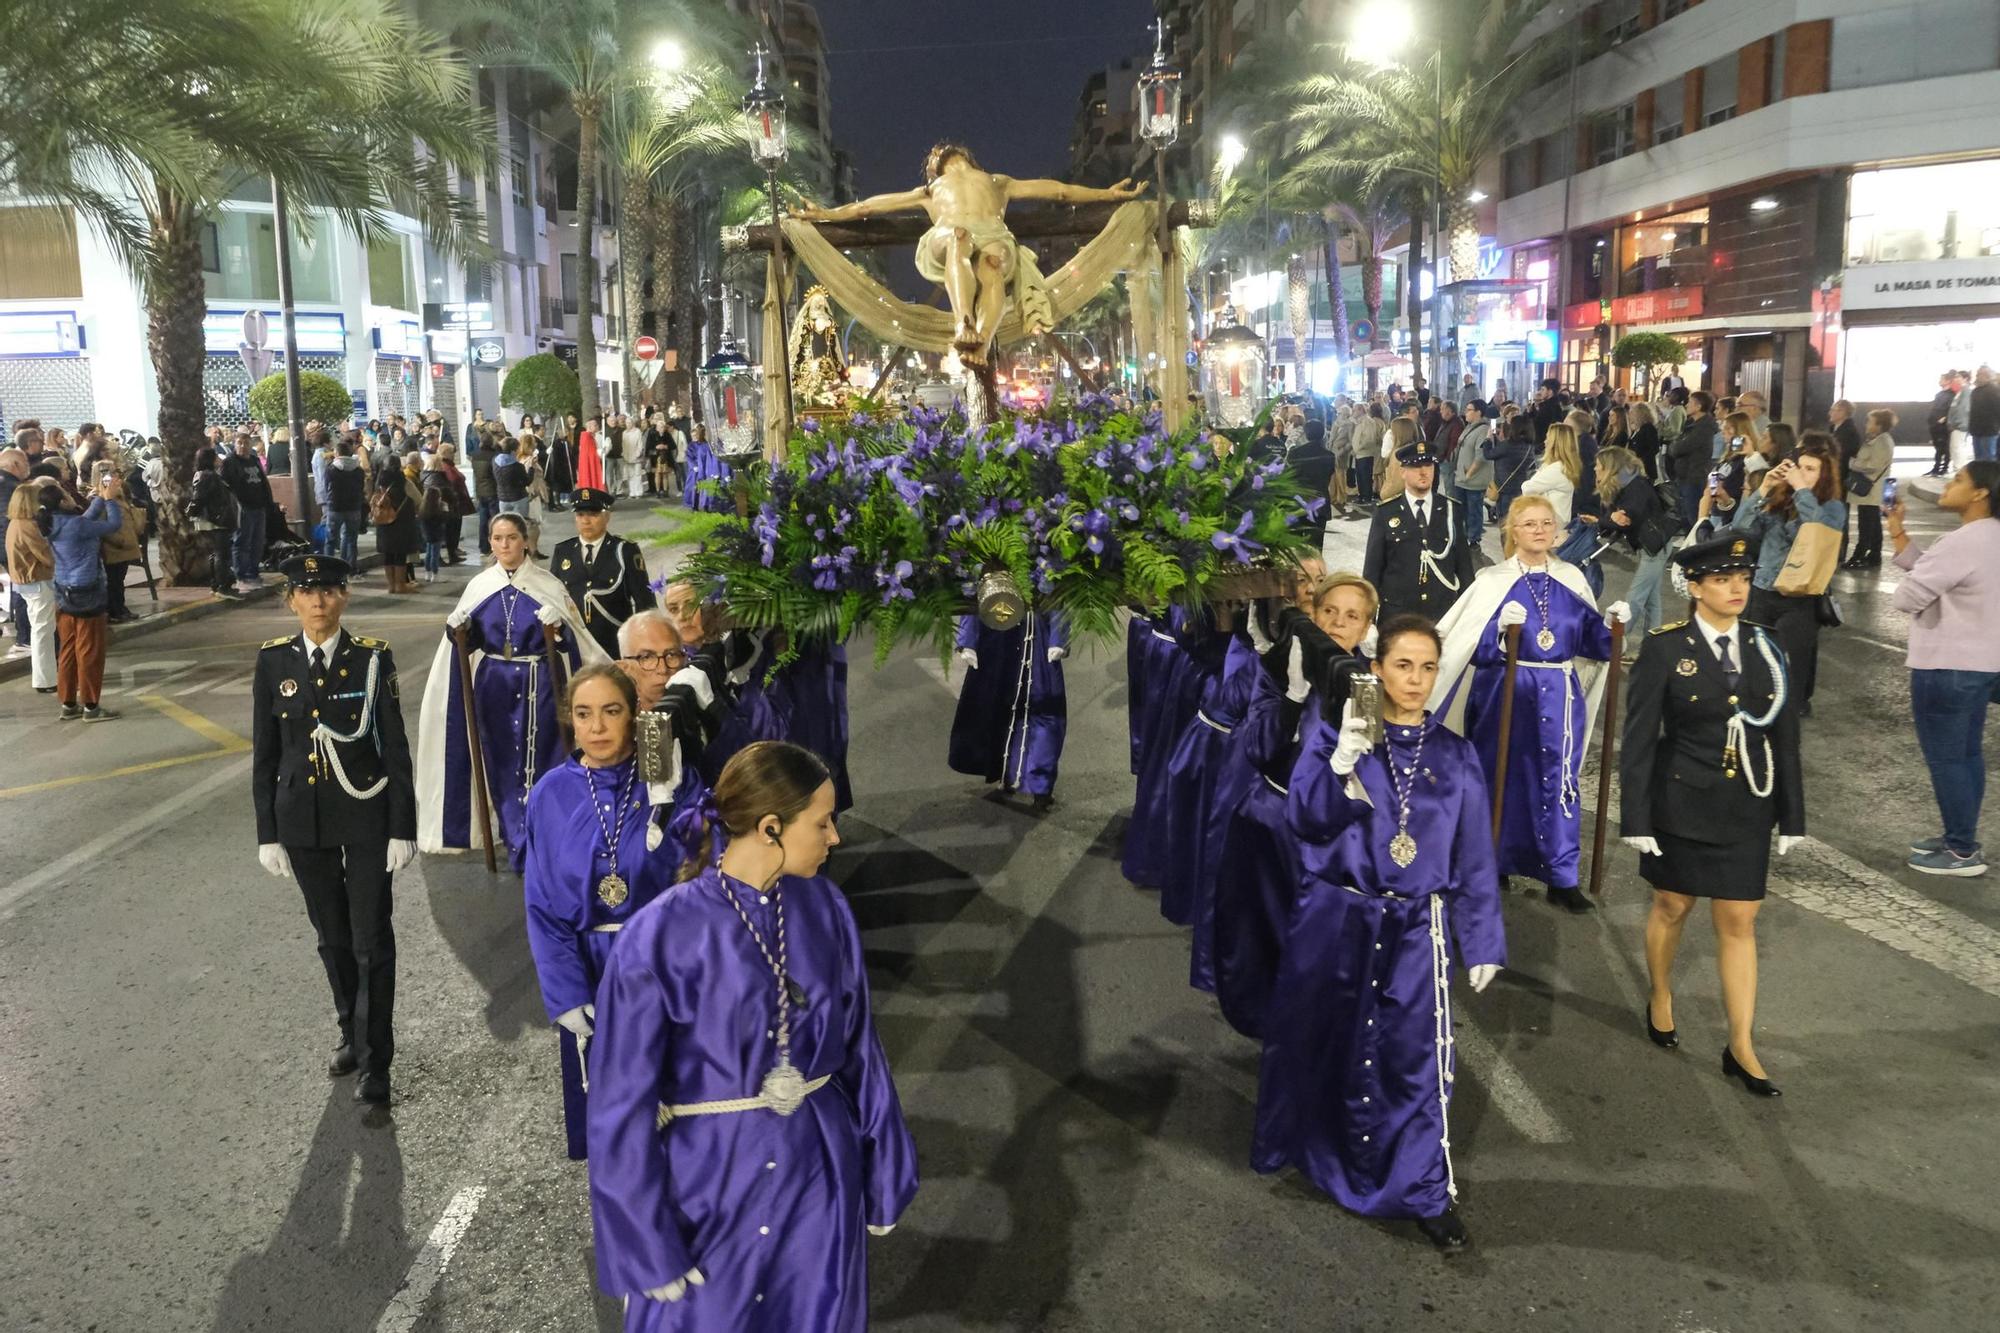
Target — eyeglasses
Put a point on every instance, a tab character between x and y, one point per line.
652	661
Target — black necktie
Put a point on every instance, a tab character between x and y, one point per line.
319	666
1423	517
590	554
1728	661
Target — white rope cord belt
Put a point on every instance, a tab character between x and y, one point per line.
669	1114
323	738
1024	688
610	928
1441	1011
1566	790
1209	721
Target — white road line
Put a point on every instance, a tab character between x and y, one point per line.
124	834
408	1304
1510	1093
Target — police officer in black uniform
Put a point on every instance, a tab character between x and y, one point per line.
336	803
605	575
1709	767
1418	557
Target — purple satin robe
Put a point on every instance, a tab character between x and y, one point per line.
703	464
811	696
515	704
1177	670
773	1209
1012	711
1207	777
1139	643
565	860
1354	1088
1541	822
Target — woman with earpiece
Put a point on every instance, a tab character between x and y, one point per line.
1396	839
745	1135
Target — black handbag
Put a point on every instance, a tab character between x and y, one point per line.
1826	610
82	599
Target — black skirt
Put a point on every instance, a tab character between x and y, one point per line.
1733	870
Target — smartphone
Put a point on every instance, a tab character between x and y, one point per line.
1889	493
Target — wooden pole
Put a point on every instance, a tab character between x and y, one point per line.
482	799
1606	757
1506	728
558	679
1028	222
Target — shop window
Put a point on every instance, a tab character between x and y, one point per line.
1669	108
1664	252
1947	211
1927	40
1718	91
38	255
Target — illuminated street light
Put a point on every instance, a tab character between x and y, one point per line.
669	56
1383	27
1476	197
1231	153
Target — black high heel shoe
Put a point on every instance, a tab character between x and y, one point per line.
1756	1087
1664	1038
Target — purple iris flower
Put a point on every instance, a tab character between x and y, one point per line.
1237	543
1094	525
892	583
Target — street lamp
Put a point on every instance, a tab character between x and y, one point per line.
669	56
1231	153
764	118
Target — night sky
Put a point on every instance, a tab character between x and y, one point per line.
1002	77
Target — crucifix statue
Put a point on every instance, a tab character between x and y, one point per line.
969	248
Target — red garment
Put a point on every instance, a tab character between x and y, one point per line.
589	466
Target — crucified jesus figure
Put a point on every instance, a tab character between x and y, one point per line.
968	248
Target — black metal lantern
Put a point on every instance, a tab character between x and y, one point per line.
764	118
1160	95
732	398
1234	364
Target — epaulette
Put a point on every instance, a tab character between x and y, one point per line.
1667	629
280	641
363	641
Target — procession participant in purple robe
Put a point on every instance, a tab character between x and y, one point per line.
812	692
1012	711
745	1135
594	858
1259	861
505	606
1355	1085
1138	652
1555	693
1188	657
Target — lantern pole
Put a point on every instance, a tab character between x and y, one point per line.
764	109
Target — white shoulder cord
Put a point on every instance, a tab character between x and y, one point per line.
323	738
1441	1011
1429	559
1736	736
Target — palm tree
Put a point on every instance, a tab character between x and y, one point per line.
1431	128
339	92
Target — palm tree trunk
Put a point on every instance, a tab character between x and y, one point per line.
1336	291
586	258
634	219
1414	300
1461	222
1371	293
176	303
1298	307
670	293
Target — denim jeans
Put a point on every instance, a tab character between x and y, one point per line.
487	509
249	543
1644	596
432	550
1986	447
344	534
1949	708
1473	498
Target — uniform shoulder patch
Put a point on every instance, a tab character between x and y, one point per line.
362	640
1667	629
280	641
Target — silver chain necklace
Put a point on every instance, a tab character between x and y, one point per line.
612	890
1546	639
784	1088
1403	847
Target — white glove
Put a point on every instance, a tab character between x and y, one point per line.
874	1230
1787	841
1253	625
402	851
1058	654
1480	975
1618	613
1296	684
1513	613
1353	742
549	615
457	620
273	857
969	657
1643	845
678	1288
577	1020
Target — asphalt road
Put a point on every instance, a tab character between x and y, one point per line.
173	1157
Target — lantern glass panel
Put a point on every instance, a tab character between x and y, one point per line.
1160	106
766	120
732	398
1234	370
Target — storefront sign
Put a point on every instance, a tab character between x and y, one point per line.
1921	285
1661	307
402	338
322	333
448	347
1542	345
489	352
1586	314
42	333
474	315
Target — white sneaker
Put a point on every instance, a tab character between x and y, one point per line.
19	650
242	586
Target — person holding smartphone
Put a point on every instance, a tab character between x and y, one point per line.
1800	491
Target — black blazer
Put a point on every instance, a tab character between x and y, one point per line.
609	589
1394	563
300	802
1670	764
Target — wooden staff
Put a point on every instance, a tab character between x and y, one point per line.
1506	729
556	676
1606	757
482	798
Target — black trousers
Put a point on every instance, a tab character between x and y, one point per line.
222	568
1794	622
1869	520
349	905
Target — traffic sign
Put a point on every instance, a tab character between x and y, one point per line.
1362	331
647	348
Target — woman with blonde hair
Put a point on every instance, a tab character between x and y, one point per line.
1585	426
1643	438
1555	697
1560	474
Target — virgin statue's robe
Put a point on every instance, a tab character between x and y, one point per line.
773	1209
515	707
1177	670
1555	700
1207	776
704	464
1012	712
1355	1085
571	927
